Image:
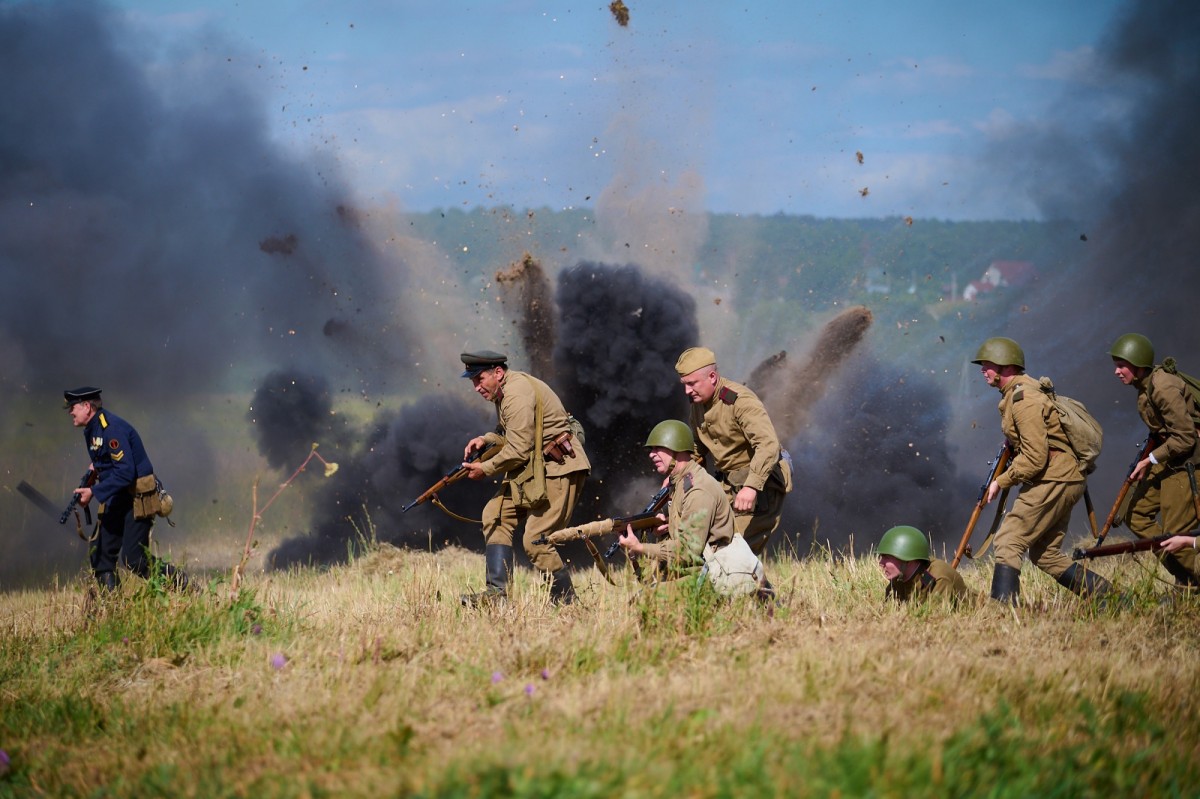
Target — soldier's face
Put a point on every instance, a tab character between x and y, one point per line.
700	385
991	373
81	413
892	567
663	459
1124	370
487	383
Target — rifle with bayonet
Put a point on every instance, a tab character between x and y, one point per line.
1144	450
997	464
89	477
453	476
1125	547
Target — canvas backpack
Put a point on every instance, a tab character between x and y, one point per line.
1192	383
1084	433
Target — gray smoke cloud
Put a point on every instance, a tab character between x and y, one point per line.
1116	155
151	234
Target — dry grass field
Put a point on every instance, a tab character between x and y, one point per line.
369	679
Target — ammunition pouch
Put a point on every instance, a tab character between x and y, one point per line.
146	500
559	449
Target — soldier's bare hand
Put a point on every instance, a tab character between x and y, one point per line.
745	499
474	470
629	541
85	496
1178	542
992	491
1140	470
473	446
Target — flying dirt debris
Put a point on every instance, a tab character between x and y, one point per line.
805	386
274	245
620	12
528	297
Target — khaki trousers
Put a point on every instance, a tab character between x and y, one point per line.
501	518
1037	524
1162	504
757	525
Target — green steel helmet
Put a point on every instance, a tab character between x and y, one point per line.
1001	351
904	543
1135	348
672	434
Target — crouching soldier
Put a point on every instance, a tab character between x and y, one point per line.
910	571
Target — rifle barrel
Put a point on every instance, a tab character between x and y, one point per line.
1123	548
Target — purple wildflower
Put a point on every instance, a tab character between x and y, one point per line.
529	689
496	677
278	660
545	674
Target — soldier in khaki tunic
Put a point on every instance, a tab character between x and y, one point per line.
541	482
1045	465
1162	502
731	425
699	510
911	572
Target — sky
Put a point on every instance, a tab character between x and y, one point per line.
754	108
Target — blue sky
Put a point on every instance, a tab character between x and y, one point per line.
752	107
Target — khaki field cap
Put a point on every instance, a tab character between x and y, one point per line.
694	358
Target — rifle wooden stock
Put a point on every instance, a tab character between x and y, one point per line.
452	476
1147	447
998	464
639	521
1124	548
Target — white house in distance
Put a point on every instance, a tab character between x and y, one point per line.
1000	273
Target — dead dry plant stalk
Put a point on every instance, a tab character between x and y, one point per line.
256	515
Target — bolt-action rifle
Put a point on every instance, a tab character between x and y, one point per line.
1125	547
1144	449
89	477
453	476
997	465
639	521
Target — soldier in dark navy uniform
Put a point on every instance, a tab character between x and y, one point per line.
125	489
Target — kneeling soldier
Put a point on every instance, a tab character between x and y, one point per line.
700	521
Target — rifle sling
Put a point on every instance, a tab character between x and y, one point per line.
434	499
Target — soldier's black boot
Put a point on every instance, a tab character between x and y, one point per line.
1083	582
108	581
176	578
562	590
1006	584
499	561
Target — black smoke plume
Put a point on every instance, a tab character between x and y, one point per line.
621	332
289	412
